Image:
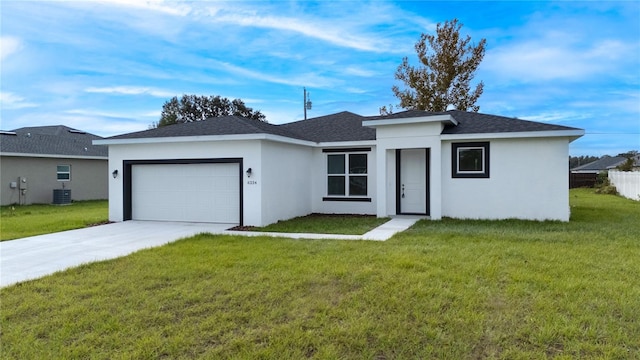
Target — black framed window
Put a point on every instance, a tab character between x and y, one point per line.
470	160
347	175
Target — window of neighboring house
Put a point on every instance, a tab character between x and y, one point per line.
64	173
347	176
470	160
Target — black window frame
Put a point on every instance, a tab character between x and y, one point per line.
455	160
348	174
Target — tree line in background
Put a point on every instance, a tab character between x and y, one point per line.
197	108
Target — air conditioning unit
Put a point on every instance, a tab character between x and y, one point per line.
61	196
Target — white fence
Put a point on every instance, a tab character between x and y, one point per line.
627	183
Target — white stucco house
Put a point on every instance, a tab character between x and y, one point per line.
241	171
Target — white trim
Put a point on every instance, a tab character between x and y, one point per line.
276	138
412	120
573	134
55	156
482	149
339	144
68	172
203	138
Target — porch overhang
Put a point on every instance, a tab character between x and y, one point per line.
443	119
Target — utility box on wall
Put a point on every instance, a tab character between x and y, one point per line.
61	196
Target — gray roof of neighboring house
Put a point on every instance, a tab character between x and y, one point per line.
604	163
342	126
51	140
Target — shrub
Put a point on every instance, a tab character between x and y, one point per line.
603	184
602	179
607	189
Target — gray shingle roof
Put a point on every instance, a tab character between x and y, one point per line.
51	140
225	125
601	164
476	123
342	126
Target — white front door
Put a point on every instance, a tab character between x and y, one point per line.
413	181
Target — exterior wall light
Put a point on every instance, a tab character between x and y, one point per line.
249	172
115	173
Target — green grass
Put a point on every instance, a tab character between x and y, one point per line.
18	221
446	289
326	224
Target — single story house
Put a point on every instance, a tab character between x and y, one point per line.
587	175
605	163
437	164
37	161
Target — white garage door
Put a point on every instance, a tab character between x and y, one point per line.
186	192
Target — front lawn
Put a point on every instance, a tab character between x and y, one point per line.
443	289
326	224
20	221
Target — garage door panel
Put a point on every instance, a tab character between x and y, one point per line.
186	192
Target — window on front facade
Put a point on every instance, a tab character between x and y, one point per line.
63	172
347	174
470	160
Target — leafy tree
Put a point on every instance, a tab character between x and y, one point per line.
197	108
627	165
447	66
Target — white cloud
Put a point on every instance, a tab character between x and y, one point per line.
130	90
328	32
557	56
356	71
12	101
112	114
556	116
308	79
9	45
166	7
355	90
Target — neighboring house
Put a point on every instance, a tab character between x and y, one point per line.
587	175
445	164
34	161
605	163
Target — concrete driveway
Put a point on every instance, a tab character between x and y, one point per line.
37	256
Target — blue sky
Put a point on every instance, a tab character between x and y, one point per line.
107	67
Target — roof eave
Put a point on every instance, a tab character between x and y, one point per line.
354	143
570	134
203	138
54	156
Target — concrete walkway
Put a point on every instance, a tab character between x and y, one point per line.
37	256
